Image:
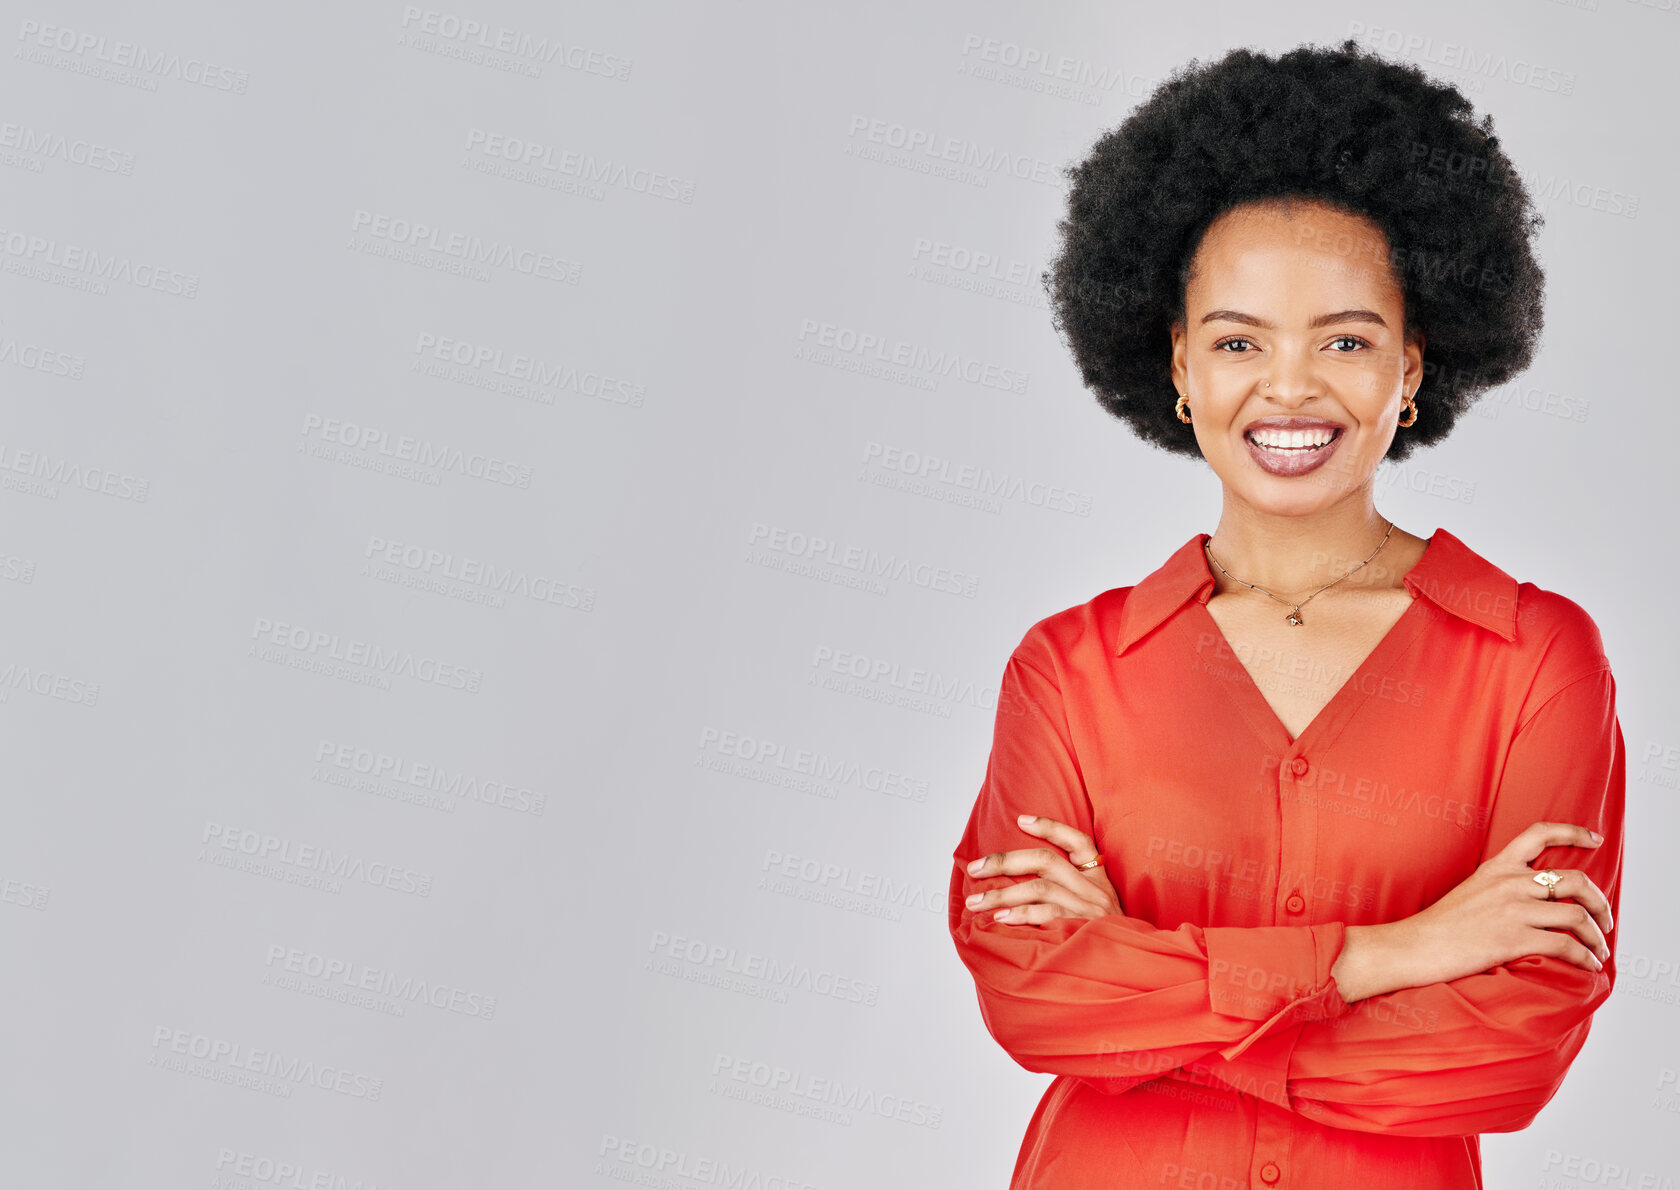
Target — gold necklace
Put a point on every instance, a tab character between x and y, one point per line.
1295	619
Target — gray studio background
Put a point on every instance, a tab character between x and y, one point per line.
431	757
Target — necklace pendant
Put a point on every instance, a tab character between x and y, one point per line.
1295	618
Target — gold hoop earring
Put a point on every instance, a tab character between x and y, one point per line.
1411	411
1183	400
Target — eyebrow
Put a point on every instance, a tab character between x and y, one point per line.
1321	320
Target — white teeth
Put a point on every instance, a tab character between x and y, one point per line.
1292	439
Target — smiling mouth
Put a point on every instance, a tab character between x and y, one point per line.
1292	442
1292	452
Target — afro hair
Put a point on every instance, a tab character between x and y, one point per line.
1336	125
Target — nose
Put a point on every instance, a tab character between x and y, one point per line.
1291	382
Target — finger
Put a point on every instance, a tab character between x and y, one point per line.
1079	845
1036	861
1566	915
1051	864
1010	899
1018	862
1568	948
1036	914
1575	885
1088	887
1528	845
1081	848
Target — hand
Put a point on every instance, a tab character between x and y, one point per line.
1060	890
1499	913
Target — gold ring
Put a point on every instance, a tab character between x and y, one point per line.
1088	864
1549	878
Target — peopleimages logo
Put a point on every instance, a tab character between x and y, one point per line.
276	851
32	357
552	162
350	977
515	365
499	39
287	1175
48	685
224	1061
866	562
802	1093
43	471
429	775
749	964
34	253
1457	56
130	55
921	469
820	765
389	662
55	146
816	335
372	440
987	161
411	233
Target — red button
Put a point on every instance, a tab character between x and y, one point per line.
1298	766
1294	904
1269	1173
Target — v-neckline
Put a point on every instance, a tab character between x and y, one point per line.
1348	697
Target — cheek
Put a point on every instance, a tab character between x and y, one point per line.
1213	433
1365	447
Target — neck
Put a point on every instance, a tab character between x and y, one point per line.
1293	555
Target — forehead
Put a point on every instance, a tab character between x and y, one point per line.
1302	254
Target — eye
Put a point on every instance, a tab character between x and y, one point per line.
1224	343
1349	339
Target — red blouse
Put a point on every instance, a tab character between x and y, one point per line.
1198	1039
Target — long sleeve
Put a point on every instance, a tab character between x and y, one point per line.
1483	1053
1112	1000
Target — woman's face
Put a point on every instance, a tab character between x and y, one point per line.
1293	354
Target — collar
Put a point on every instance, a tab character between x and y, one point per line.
1451	575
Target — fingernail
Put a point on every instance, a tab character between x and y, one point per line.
1000	915
1596	837
975	866
1027	819
975	900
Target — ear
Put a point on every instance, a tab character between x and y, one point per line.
1180	374
1412	352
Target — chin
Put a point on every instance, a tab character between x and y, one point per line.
1296	495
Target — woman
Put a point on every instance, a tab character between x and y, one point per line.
1296	861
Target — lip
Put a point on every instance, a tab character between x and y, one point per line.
1299	461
